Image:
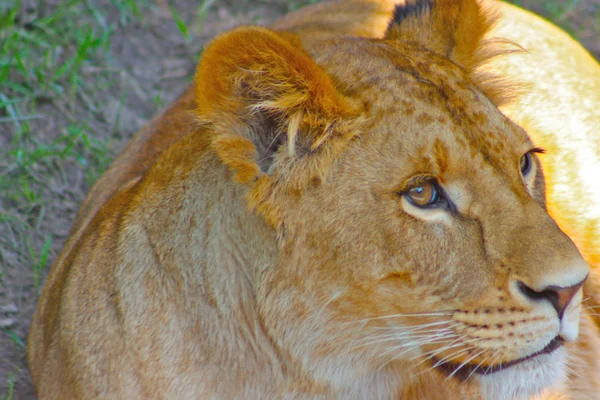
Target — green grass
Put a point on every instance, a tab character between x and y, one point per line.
50	65
296	4
11	388
54	60
56	72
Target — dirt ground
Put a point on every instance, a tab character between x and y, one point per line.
154	61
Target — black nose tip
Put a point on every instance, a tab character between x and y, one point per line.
559	297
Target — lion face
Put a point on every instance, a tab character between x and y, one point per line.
412	236
428	244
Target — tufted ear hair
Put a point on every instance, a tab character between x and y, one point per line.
457	30
272	108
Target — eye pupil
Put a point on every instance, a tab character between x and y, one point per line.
423	195
526	163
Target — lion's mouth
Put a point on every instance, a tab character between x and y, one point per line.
463	372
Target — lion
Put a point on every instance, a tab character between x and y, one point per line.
326	216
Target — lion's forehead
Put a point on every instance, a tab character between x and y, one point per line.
421	100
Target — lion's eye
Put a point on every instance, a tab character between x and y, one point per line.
526	163
424	195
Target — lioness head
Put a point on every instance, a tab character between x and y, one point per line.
409	212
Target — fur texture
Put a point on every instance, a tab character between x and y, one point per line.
272	250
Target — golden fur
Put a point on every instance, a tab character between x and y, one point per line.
270	248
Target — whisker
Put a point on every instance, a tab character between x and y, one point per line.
427	325
486	359
458	354
457	343
452	356
496	355
416	343
590	307
407	347
394	357
425	314
427	331
432	354
464	363
396	337
408	331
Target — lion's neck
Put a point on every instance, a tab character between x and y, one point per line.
197	291
230	245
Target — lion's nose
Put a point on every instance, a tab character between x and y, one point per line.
559	297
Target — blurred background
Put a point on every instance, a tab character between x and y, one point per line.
77	79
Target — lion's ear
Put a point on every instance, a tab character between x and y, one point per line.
457	29
454	28
270	105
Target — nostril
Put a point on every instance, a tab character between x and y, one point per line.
559	297
529	292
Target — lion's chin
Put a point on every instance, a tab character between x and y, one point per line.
526	379
464	371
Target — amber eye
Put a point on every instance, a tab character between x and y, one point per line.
424	195
526	163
